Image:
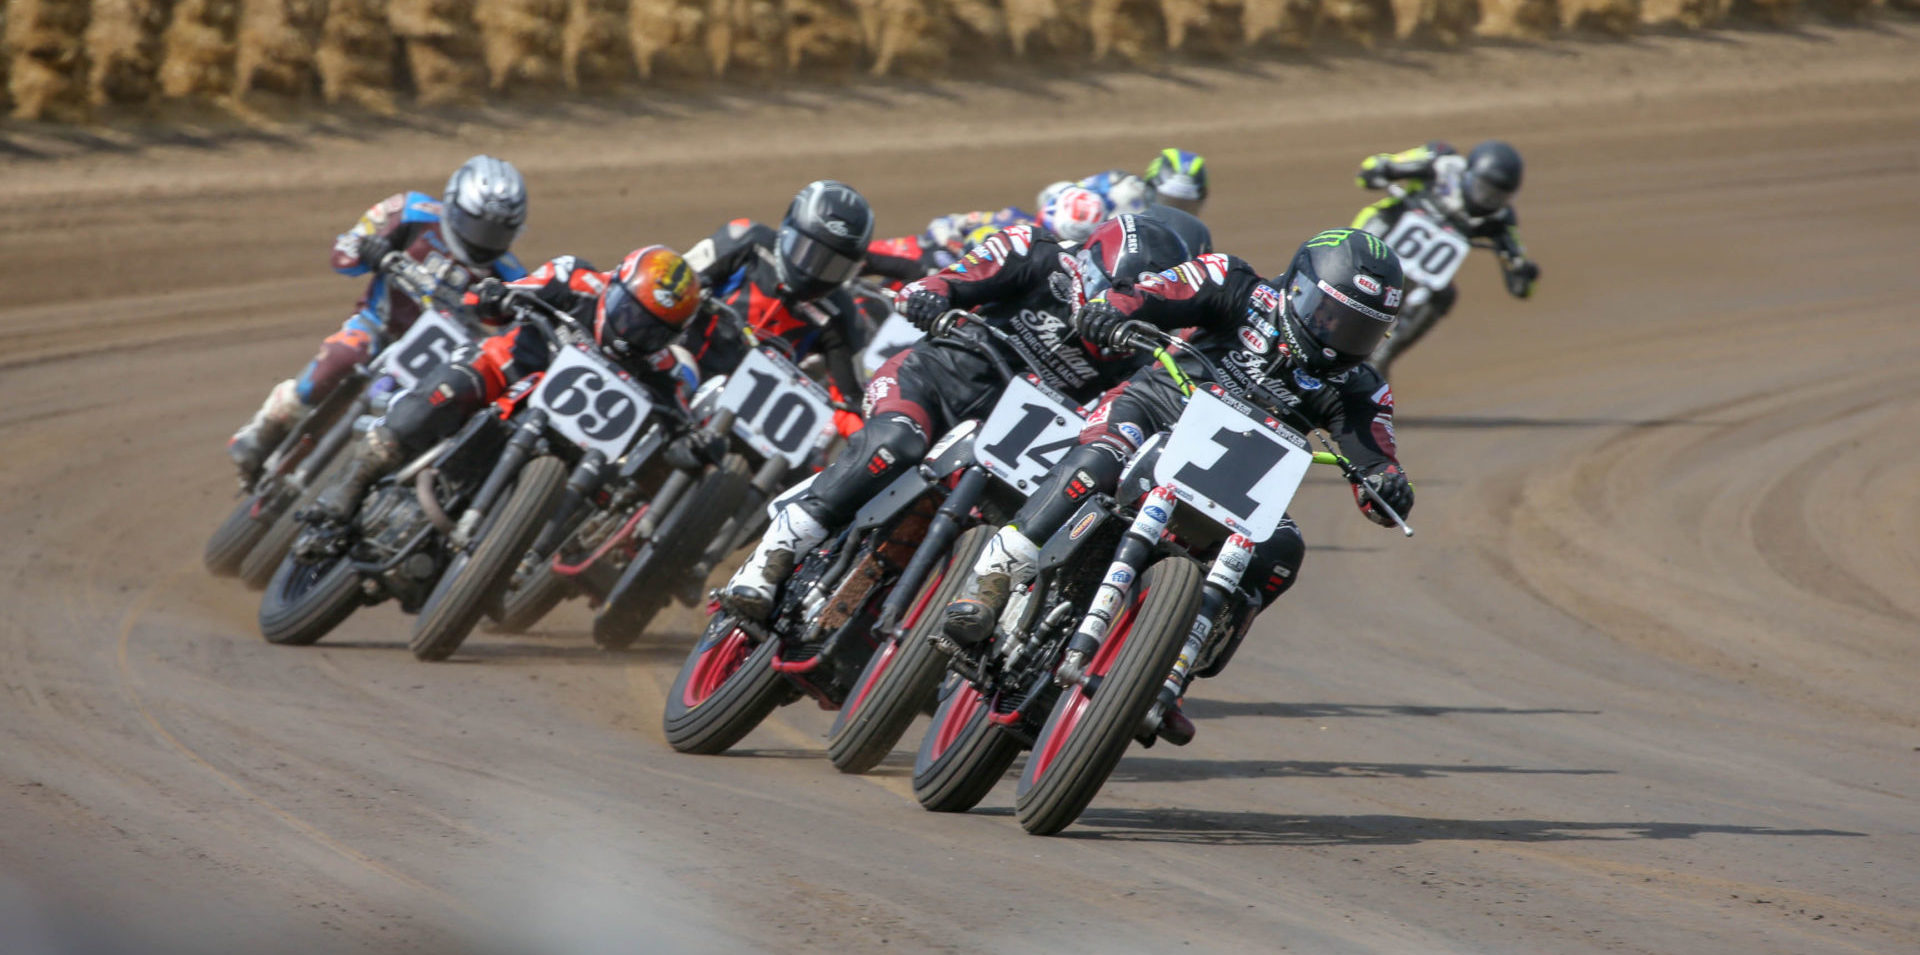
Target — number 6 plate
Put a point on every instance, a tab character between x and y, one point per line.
591	403
777	409
1025	436
1235	469
426	346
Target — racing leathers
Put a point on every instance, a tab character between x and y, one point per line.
408	223
945	240
1435	169
1227	308
480	373
1021	281
739	266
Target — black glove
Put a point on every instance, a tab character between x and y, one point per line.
1520	278
374	249
1101	324
923	307
1391	484
488	299
695	450
1374	178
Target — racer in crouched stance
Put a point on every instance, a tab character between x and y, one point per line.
1025	283
636	312
1295	344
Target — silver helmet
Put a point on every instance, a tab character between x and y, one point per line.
483	210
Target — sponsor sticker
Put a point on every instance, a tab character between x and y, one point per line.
1254	341
1120	577
1265	297
1393	297
1367	284
1307	382
1080	526
1132	432
1156	512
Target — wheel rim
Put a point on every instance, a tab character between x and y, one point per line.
1074	706
305	577
875	670
716	664
955	717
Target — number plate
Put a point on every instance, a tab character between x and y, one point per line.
1233	468
425	346
590	402
777	409
1429	252
1030	429
892	337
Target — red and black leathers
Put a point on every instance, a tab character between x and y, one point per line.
1228	305
739	266
1019	280
481	373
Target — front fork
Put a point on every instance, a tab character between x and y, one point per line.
1223	578
1128	561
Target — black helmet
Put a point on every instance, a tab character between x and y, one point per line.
1122	250
1340	297
483	210
1186	225
1492	177
1179	179
823	238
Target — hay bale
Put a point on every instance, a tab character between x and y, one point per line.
1686	14
746	38
1445	22
200	48
594	51
1284	23
1204	26
1128	30
123	50
277	41
48	76
1047	29
524	41
442	48
6	60
1612	17
1519	19
911	37
1770	12
980	18
355	58
1362	22
669	38
1851	11
823	36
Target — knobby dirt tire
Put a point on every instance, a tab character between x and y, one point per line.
304	602
234	539
725	689
1064	772
963	755
449	616
649	583
901	677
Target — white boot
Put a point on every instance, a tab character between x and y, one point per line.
250	445
793	532
1010	560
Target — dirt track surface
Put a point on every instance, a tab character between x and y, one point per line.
1644	682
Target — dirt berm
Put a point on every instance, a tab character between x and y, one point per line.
1644	682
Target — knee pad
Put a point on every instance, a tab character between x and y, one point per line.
435	407
1084	471
875	455
1276	562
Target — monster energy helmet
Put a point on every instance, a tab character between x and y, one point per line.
1179	179
1340	296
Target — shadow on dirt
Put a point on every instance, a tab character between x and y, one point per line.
1146	769
1201	827
1202	709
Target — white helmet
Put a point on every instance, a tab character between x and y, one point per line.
484	209
1074	213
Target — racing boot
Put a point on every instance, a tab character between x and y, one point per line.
1009	560
373	459
793	532
250	445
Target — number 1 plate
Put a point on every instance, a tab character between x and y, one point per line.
1026	435
592	404
1232	468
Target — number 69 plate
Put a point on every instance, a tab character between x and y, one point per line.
1233	468
591	403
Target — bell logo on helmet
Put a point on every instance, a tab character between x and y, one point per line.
1367	284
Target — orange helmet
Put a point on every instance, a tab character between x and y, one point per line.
652	295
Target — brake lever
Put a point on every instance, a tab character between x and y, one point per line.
1354	477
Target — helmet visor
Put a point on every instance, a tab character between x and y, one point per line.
482	238
1484	197
809	258
627	329
1334	320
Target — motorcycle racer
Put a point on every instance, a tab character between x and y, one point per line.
1298	351
1023	281
461	238
1475	193
636	313
944	241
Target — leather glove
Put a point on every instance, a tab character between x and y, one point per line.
1374	178
374	249
1101	324
1391	484
488	299
695	450
1520	278
923	307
